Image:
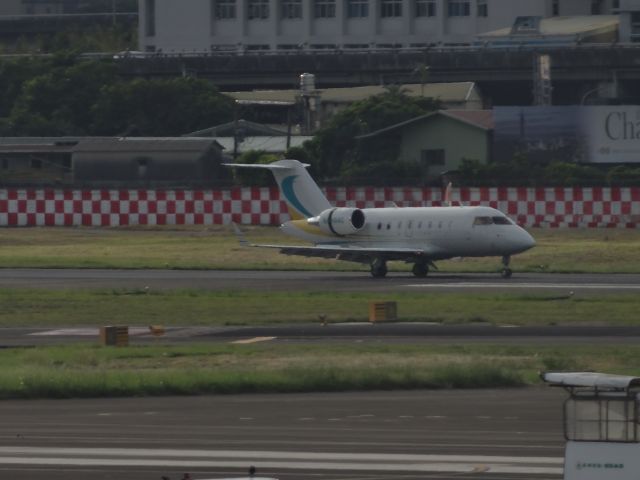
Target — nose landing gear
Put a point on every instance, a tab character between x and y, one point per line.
506	272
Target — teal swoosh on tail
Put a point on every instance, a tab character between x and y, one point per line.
290	195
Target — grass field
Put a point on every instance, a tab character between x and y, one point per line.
597	250
54	308
90	371
84	371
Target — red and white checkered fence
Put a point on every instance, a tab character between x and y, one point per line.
532	207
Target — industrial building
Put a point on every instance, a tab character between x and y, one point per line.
110	161
268	25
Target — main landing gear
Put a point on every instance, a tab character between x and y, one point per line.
378	268
506	271
420	269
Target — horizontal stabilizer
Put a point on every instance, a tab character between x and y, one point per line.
261	166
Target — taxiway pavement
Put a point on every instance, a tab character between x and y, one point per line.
318	281
483	434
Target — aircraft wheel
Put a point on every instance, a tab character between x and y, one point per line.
506	271
378	268
420	270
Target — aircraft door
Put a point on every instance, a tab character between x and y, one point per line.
408	228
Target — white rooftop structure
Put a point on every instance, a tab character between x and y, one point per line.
264	144
554	31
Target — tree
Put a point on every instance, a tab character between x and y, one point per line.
336	152
255	177
14	74
59	102
160	107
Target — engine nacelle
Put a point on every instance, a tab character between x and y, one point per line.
340	221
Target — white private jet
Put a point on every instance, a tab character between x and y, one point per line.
418	235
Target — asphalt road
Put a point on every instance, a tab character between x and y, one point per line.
323	281
483	434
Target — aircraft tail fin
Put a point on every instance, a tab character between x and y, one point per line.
447	195
303	196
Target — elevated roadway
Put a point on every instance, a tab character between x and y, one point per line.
505	75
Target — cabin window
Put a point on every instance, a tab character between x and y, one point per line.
501	220
482	221
379	226
410	224
388	226
430	224
419	225
439	224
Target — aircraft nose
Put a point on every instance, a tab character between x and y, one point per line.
526	241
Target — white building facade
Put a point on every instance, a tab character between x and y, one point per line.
208	25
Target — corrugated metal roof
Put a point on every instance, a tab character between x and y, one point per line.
591	379
266	144
251	127
477	118
146	144
446	92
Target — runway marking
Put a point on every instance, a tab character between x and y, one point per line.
121	457
86	332
586	286
253	340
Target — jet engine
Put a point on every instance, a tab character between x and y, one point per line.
339	221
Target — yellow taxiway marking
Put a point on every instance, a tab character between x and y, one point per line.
254	340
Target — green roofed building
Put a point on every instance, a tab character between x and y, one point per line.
440	141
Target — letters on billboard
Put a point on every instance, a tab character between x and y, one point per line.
586	134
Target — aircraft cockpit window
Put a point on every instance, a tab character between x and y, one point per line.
501	221
482	221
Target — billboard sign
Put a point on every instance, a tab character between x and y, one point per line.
588	134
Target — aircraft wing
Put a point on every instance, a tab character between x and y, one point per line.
350	253
353	253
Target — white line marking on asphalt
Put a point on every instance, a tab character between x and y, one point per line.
86	332
253	340
589	286
283	460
